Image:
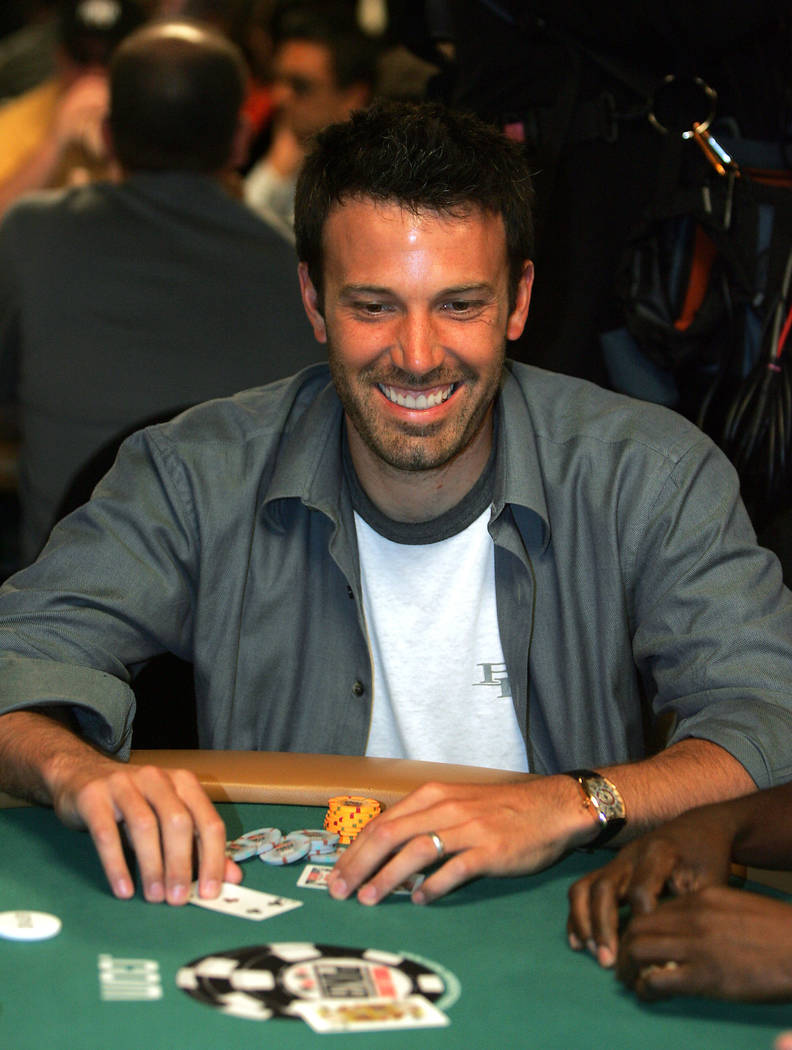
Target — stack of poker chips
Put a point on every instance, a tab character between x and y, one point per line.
347	815
271	847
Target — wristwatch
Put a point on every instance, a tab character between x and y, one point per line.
601	796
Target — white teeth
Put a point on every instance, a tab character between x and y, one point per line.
419	401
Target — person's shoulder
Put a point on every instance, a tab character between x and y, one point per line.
565	409
52	205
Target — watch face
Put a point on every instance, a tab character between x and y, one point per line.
608	802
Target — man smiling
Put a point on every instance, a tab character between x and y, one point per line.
415	312
438	555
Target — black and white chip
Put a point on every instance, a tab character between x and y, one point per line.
263	981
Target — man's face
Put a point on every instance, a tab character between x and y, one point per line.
415	314
305	90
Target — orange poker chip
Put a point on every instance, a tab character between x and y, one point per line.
347	815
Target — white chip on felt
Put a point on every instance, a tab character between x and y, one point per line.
28	925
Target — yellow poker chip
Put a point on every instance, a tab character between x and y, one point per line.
347	815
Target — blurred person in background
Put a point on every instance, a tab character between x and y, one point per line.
123	299
324	68
52	134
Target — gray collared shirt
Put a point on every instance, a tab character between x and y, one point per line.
633	602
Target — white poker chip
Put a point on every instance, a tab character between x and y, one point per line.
321	841
327	858
253	843
288	851
28	925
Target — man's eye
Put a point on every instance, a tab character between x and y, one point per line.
460	306
371	309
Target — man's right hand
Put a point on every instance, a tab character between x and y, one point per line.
165	815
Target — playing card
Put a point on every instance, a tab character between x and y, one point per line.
243	902
314	876
412	882
370	1015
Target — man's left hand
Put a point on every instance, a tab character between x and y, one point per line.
510	829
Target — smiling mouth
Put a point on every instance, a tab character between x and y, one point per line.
419	401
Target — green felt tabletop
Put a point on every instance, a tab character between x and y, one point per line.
519	985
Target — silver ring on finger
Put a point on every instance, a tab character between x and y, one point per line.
438	844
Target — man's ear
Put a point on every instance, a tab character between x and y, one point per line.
519	315
310	300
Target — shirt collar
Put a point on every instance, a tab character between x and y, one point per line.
518	477
309	466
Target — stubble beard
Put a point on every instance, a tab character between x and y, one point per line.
411	447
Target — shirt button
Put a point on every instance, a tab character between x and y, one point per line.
350	592
358	688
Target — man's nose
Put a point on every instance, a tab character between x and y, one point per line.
418	347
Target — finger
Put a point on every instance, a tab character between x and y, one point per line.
160	828
604	900
653	870
640	951
210	831
366	855
416	855
98	814
233	872
457	870
593	921
662	980
579	929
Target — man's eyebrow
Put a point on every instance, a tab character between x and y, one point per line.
477	288
365	289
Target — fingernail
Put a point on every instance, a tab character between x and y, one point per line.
419	897
605	956
155	893
178	893
337	888
123	888
591	946
368	895
210	888
575	942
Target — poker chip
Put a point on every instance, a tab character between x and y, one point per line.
321	841
28	925
288	851
327	858
263	981
253	843
348	815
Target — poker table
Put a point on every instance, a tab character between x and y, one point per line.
498	946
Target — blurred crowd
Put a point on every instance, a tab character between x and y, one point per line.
92	344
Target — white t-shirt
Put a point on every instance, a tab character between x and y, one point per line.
441	692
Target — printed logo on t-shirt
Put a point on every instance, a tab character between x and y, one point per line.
497	676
